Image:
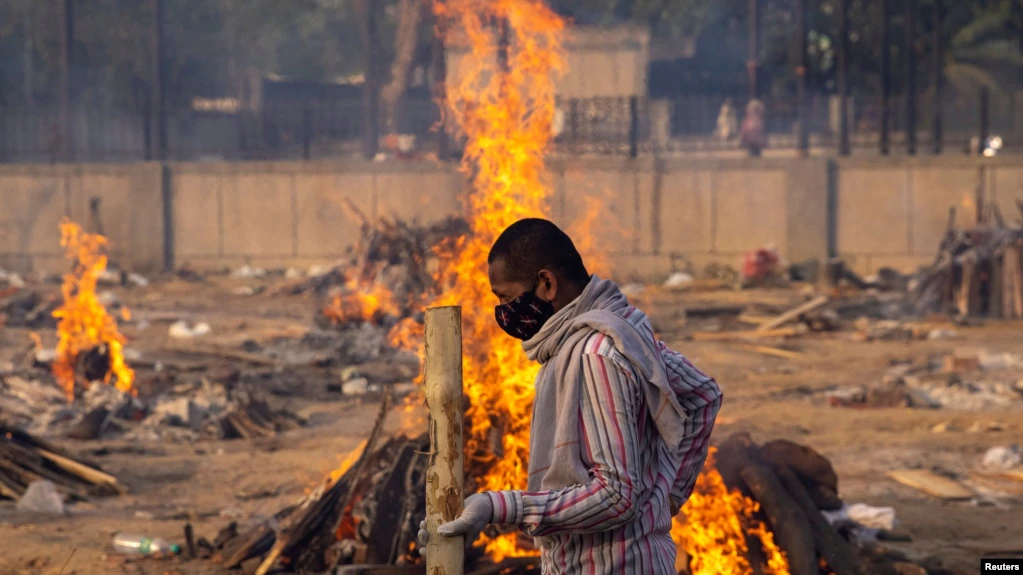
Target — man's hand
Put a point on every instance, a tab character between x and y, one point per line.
478	513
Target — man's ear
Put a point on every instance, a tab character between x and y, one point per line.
548	288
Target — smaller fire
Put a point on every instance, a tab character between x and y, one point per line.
83	322
346	463
712	529
361	303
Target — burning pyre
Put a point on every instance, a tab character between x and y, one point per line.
84	326
503	102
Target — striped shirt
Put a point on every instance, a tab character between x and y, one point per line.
620	521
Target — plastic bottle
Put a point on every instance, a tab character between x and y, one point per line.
130	544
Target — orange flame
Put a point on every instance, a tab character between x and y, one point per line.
712	526
505	114
360	302
84	323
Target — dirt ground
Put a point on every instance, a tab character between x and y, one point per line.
214	482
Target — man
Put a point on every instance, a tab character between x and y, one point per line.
620	423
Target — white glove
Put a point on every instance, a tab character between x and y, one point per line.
478	513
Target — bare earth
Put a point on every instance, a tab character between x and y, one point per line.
214	482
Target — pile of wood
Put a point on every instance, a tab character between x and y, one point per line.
977	272
252	417
24	459
368	517
20	307
793	484
392	254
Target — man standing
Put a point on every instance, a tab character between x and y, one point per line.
620	424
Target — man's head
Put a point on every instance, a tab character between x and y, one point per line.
534	255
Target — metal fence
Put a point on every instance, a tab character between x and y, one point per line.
624	126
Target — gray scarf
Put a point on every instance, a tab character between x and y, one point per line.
554	453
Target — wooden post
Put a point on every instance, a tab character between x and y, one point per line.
911	14
445	476
802	111
886	80
843	77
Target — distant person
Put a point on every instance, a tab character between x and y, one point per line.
754	135
620	424
728	121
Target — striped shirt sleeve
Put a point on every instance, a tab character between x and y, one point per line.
608	419
701	397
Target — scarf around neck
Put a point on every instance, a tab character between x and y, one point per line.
554	454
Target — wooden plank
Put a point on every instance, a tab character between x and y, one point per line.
931	484
755	334
94	476
774	351
794	313
755	319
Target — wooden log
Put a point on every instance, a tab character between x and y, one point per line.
801	459
734	454
841	556
754	334
1016	255
967	278
445	476
94	476
774	351
794	313
931	484
788	521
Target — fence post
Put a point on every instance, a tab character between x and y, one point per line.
911	13
985	111
633	126
307	129
938	64
886	81
67	39
803	116
843	77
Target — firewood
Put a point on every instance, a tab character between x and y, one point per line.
733	454
841	556
794	313
755	334
788	522
931	484
85	472
774	351
802	459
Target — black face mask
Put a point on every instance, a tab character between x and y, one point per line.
523	317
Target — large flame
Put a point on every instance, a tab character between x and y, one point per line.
503	101
84	323
712	527
504	112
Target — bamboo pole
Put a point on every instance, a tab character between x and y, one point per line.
445	477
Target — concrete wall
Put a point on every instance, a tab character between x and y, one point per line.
634	219
893	212
33	199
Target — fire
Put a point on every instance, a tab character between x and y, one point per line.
712	525
503	102
346	463
360	302
84	323
504	111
